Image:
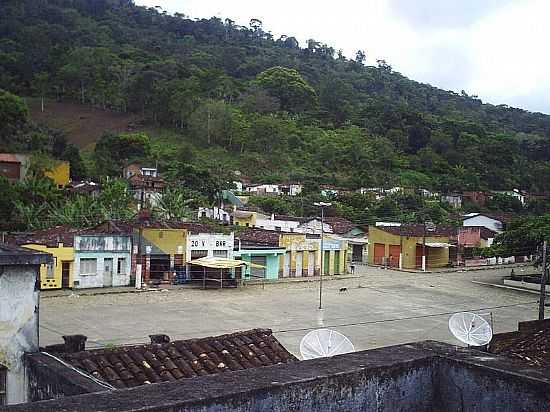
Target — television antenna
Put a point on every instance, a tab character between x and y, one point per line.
323	343
470	329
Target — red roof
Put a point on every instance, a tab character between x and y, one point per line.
258	237
129	366
9	158
530	344
47	237
340	225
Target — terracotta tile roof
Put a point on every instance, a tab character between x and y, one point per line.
417	230
129	366
48	237
9	158
340	225
530	344
262	237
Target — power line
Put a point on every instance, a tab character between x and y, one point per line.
342	325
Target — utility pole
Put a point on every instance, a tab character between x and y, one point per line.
543	278
322	205
424	249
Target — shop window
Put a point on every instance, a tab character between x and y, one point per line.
220	253
88	266
121	266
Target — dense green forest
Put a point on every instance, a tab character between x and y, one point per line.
219	97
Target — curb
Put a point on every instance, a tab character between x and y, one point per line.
457	270
533	292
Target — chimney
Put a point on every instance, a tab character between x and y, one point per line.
160	338
75	343
272	216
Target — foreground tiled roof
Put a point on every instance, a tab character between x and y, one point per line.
14	255
530	344
129	366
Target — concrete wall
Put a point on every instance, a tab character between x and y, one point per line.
18	325
210	242
422	376
60	254
96	280
164	241
435	257
101	247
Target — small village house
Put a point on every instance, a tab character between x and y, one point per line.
102	259
490	221
410	246
515	193
476	197
303	255
15	167
146	184
291	189
453	199
263	189
19	314
260	247
244	218
355	236
279	223
57	241
469	240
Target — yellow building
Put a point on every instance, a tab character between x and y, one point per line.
303	256
244	218
403	246
59	173
59	273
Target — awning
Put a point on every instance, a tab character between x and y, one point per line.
438	244
222	263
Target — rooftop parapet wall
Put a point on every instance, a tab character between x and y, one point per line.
425	376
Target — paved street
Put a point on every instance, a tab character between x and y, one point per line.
380	308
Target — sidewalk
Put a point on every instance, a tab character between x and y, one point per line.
456	269
45	294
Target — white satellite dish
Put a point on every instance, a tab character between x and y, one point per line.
470	329
322	343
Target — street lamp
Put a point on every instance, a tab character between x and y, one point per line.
322	205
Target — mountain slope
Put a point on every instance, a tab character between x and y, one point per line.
275	109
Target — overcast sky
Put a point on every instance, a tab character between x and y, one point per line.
496	49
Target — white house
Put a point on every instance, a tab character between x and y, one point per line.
479	219
209	245
291	189
515	193
278	222
313	226
215	213
19	313
264	189
102	260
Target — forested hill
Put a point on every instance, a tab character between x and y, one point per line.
242	98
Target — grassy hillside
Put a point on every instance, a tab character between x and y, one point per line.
223	97
83	125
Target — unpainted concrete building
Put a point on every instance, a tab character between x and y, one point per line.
19	307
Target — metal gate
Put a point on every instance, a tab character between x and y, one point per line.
256	272
379	253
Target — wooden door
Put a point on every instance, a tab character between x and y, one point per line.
379	253
107	272
65	275
299	262
419	250
395	251
311	263
286	266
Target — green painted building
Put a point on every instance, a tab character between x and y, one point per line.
267	257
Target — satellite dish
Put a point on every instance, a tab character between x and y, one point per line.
322	343
470	329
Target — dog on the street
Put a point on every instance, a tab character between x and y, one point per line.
343	290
